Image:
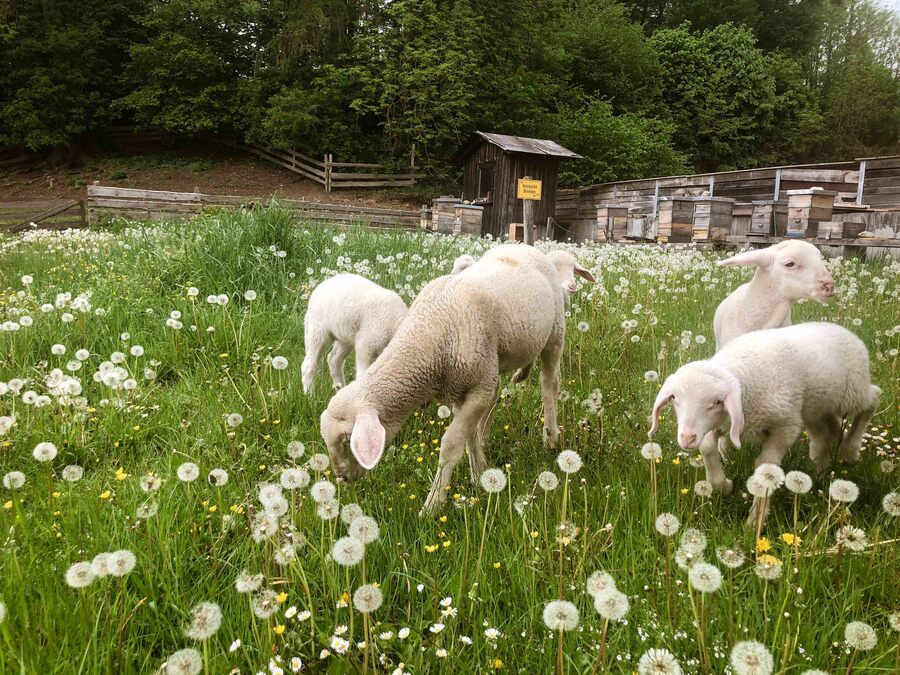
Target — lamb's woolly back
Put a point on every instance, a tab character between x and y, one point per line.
786	272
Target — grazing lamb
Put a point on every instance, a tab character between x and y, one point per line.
786	272
565	263
461	332
767	386
352	313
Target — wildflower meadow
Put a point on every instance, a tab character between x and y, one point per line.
167	503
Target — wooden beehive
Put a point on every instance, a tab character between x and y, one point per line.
806	209
712	218
517	232
613	220
639	225
581	230
769	218
425	218
468	219
443	214
740	221
676	220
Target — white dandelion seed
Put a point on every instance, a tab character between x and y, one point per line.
269	494
13	480
249	295
693	540
72	473
217	477
798	482
146	510
893	620
364	528
121	562
851	538
248	583
101	565
328	510
150	483
651	451
294	479
44	452
667	524
891	504
703	488
658	662
58	350
560	615
705	577
443	412
547	481
367	599
279	362
348	551
756	487
323	491
583	326
843	491
600	582
206	618
770	476
188	472
651	376
265	603
137	350
612	604
234	420
295	449
768	570
234	646
493	480
861	636
569	461
264	525
729	557
79	574
319	462
751	658
184	662
686	559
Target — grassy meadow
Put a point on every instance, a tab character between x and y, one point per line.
163	362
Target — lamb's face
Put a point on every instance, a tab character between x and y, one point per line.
336	426
567	267
801	271
703	401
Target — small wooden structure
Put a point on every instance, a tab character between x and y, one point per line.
712	218
676	220
492	163
808	208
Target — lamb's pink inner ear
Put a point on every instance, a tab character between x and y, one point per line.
584	273
367	439
736	413
761	258
663	398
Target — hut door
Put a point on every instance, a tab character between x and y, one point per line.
485	181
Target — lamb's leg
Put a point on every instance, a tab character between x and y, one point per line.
822	436
365	355
337	356
477	460
852	443
550	359
473	409
316	341
712	459
777	443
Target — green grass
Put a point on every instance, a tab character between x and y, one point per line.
194	547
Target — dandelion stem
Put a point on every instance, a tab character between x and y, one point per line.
700	633
559	653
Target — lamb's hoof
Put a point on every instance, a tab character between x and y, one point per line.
850	453
728	487
551	441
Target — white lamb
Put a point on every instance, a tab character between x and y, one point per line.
461	332
769	385
565	263
786	272
351	313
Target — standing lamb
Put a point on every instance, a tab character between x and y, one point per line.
351	313
769	385
461	332
786	272
565	263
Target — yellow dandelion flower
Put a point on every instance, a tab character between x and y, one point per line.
496	664
431	549
443	519
212	509
534	534
684	491
790	539
279	629
120	474
105	494
497	565
446	544
768	560
136	427
281	597
420	459
763	545
412	496
56	495
676	461
7	504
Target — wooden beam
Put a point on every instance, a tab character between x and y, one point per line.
861	181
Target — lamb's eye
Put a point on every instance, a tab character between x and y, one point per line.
789	263
718	402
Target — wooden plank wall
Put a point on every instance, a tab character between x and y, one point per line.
112	202
881	184
57	214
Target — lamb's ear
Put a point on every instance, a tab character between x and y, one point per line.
663	398
584	273
735	411
762	258
367	439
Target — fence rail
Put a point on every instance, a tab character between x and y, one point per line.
57	214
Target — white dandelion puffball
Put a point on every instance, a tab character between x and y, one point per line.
269	494
350	511
569	461
27	279
328	510
851	538
121	562
560	615
217	477
206	618
294	479
891	504
493	480
13	480
651	451
703	488
770	476
756	487
295	449
798	482
44	452
265	603
234	420
893	620
667	524
705	577
58	350
686	559
547	481
768	570
101	565
729	557
861	636
751	658
658	662
843	491
150	483
319	462
184	662
188	472
137	350
250	295
693	540
79	575
348	551
612	604
364	528
72	473
147	510
600	582
443	412
82	354
248	583
651	376
323	491
279	362
367	598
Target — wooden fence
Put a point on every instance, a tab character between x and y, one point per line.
56	214
113	202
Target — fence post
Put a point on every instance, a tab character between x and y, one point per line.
327	173
777	184
412	157
862	179
81	205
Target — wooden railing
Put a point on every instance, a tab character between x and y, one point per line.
57	214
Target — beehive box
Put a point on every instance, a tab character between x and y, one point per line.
468	219
517	232
769	218
443	214
806	209
613	220
425	218
676	220
581	230
639	226
712	218
740	221
829	229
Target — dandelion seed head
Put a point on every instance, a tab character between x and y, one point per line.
705	578
146	510
658	662
651	451
667	524
768	568
364	528
265	602
44	452
612	604
217	477
367	598
651	376
844	491
13	480
693	540
569	461
703	488
599	582
770	476
72	473
547	481
443	412
295	449
234	420
79	575
493	480
893	620
263	526
730	557
279	363
751	658
248	583
269	494
322	491
861	636
319	462
328	510
188	472
184	662
206	618
851	538
121	562
891	504
150	483
348	551
294	479
798	482
560	615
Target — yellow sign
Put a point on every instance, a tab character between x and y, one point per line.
529	189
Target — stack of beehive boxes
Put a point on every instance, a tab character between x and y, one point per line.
612	219
808	208
676	220
712	218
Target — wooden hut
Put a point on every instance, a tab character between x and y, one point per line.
492	165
